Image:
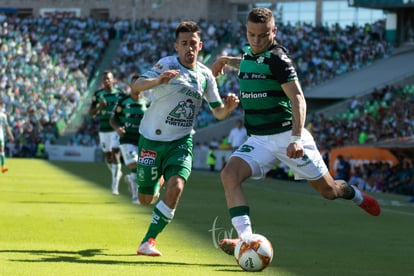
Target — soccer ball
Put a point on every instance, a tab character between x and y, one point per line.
254	253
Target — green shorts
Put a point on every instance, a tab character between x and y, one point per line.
156	159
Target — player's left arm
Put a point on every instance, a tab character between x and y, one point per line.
295	94
224	110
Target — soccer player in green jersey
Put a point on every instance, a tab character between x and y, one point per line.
125	121
103	103
275	113
4	126
178	85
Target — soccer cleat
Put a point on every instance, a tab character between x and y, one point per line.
228	245
4	169
370	205
148	249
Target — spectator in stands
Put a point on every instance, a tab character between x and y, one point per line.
211	159
238	135
102	106
343	168
358	180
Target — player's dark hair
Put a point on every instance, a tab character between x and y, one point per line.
187	27
260	15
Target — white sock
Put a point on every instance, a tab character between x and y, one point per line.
165	210
134	188
243	225
116	171
358	198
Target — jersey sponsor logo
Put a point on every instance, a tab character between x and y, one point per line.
147	157
258	76
250	95
131	125
182	115
191	93
253	76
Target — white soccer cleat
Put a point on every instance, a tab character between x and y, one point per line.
148	249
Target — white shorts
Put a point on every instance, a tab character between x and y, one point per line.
108	141
263	152
129	153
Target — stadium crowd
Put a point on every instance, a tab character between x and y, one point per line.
45	74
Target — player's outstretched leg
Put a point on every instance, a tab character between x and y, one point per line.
370	205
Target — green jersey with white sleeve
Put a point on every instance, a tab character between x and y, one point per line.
174	105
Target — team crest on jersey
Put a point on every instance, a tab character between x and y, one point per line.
118	109
147	157
260	59
182	115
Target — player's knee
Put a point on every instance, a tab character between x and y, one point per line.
145	200
228	176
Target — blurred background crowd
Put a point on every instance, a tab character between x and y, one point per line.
47	64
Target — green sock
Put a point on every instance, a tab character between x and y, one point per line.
239	211
158	223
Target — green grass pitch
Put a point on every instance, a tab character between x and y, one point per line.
59	218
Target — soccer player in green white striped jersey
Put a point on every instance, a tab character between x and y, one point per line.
125	121
103	103
275	113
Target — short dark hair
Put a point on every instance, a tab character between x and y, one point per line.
187	27
260	15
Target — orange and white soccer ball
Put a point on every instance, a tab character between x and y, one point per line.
254	253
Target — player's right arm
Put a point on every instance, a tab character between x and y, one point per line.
96	106
218	66
142	84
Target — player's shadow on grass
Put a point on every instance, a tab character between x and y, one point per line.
84	257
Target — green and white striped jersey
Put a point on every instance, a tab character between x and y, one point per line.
111	98
267	108
128	113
